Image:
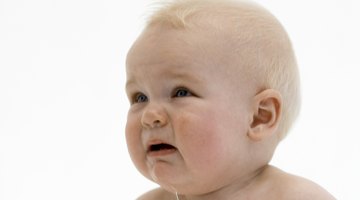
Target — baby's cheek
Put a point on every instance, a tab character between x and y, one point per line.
200	138
134	144
131	133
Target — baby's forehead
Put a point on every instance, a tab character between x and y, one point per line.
231	36
243	28
180	51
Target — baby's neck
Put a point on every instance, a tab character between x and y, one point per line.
238	190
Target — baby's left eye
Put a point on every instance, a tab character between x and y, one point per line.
182	92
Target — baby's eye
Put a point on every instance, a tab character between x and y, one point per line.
140	98
182	92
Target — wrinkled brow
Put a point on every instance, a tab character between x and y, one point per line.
177	76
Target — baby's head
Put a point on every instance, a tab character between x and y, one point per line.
213	86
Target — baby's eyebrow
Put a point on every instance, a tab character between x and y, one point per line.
186	76
129	83
176	76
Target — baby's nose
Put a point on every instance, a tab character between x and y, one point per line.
154	116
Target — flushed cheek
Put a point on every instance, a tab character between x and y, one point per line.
202	142
206	152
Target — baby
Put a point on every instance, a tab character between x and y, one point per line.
214	88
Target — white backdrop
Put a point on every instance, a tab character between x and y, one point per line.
63	107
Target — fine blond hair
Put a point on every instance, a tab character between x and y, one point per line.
273	58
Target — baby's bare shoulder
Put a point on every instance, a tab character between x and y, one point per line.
306	189
157	194
298	188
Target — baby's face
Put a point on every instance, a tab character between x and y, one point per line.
187	124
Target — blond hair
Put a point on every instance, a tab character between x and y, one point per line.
273	57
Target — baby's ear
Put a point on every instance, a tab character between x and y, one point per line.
267	107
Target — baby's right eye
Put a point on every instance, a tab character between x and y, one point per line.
140	98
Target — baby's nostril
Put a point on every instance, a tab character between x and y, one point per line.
156	124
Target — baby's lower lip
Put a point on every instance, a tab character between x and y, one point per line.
162	152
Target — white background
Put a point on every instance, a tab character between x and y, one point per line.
63	107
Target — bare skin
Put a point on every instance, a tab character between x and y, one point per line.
200	121
271	184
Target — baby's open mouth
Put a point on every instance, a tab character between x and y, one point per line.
160	149
161	146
